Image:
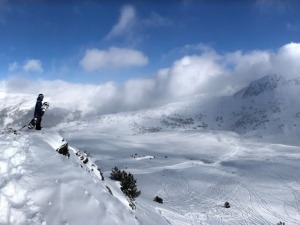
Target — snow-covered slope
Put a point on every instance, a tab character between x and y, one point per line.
40	186
266	108
194	172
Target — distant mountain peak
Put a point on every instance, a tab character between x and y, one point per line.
266	83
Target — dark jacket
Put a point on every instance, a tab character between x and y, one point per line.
38	111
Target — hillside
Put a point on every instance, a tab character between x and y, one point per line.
40	186
266	108
194	172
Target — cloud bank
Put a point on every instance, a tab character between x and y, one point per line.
206	73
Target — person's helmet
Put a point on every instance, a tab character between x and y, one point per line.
41	96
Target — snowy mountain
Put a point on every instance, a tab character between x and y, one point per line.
195	155
267	106
257	87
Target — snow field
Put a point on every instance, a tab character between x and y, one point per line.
196	172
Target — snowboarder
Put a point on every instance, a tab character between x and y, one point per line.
38	113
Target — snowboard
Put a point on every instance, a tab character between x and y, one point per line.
44	107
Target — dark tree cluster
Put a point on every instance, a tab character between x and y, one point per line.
128	183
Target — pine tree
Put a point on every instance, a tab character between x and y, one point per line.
128	187
116	174
128	183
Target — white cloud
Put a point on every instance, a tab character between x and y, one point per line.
211	73
125	23
286	61
33	65
95	59
62	94
290	51
132	27
137	91
191	74
245	67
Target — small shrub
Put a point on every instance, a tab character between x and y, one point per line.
226	205
281	223
158	199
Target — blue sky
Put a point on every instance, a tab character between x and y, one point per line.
127	55
98	41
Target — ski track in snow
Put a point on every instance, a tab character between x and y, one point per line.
186	201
